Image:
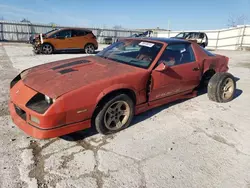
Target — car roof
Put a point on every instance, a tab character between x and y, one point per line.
166	40
75	28
68	28
192	32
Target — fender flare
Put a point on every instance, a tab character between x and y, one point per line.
49	44
114	88
205	68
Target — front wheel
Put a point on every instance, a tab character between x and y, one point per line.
115	114
221	87
47	49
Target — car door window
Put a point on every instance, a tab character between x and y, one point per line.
63	34
189	36
78	33
180	35
196	35
201	36
177	54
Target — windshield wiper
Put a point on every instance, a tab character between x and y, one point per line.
102	56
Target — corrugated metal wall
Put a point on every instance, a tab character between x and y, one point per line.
18	31
229	39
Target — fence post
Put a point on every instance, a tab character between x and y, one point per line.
115	37
28	32
242	36
217	40
2	32
17	33
98	33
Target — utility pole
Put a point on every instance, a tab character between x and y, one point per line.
168	24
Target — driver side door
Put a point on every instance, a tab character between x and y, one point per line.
62	39
181	75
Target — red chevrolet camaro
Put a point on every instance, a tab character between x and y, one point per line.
108	89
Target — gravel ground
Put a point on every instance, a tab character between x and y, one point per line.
195	143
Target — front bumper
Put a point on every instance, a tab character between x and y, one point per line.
42	133
37	48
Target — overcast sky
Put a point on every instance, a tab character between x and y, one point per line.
179	15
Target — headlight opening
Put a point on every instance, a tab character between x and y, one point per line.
48	99
40	103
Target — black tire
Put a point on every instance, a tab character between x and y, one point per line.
47	49
101	114
203	45
205	78
218	85
89	49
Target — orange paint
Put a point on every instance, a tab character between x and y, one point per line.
91	78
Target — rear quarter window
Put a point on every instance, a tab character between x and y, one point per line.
207	52
177	54
78	33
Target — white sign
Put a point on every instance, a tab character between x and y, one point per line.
147	44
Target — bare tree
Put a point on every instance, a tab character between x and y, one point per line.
233	21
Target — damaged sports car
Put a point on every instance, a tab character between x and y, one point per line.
107	90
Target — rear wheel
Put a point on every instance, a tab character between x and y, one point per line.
89	49
115	114
47	49
221	87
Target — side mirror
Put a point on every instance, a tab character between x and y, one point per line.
161	67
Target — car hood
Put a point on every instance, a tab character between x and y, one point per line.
57	78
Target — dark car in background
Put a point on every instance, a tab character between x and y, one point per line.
199	37
110	40
147	33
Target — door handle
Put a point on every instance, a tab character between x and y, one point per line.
196	68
